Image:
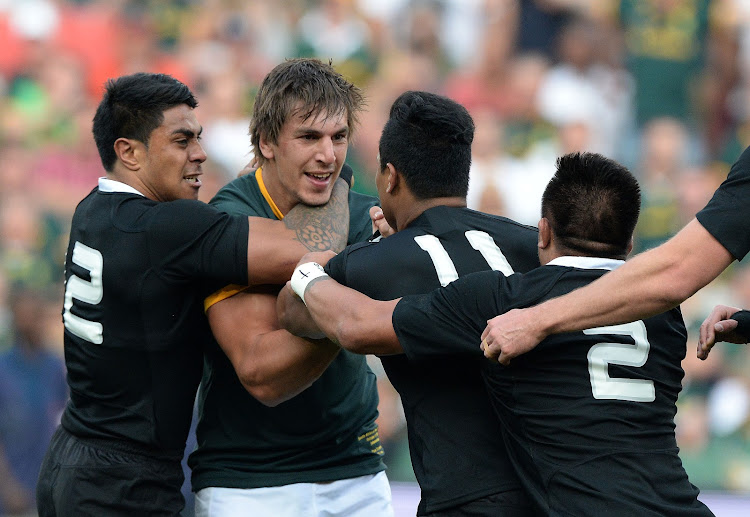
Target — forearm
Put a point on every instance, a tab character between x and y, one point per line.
648	284
294	316
271	364
351	319
277	366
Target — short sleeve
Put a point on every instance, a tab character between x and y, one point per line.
449	320
727	215
336	267
193	240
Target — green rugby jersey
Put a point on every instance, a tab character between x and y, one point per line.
325	433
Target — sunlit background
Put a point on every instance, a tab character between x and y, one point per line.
661	85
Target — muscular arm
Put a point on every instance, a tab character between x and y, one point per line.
351	319
648	284
272	364
275	247
294	316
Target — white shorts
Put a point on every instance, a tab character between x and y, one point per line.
364	496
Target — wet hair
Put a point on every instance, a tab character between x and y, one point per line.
592	204
428	140
132	107
306	86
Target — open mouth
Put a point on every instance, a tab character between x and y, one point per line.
193	180
319	176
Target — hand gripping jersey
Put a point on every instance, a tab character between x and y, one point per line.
453	433
589	416
325	433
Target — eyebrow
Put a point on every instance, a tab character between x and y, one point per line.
187	132
311	131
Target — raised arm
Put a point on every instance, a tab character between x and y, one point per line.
272	364
648	284
348	317
275	247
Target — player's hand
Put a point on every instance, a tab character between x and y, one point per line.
718	327
379	224
510	335
321	257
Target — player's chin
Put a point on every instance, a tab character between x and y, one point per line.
189	193
316	198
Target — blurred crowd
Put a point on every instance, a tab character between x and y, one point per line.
661	85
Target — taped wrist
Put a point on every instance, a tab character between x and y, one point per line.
303	275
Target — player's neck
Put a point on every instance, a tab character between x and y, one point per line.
417	207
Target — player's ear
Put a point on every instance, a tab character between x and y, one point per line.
393	177
265	147
630	247
126	150
545	234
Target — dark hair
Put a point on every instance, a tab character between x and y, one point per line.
310	83
428	139
592	204
132	107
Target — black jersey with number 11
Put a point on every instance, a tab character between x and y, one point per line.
453	433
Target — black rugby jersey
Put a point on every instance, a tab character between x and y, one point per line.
133	312
453	433
589	416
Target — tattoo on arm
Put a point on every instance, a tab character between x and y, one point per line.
324	227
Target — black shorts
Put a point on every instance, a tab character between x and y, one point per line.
510	503
98	478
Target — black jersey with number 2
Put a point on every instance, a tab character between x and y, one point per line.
452	431
134	323
589	416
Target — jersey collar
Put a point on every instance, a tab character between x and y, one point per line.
267	195
108	185
586	262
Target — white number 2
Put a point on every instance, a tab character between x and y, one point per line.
601	355
480	241
86	291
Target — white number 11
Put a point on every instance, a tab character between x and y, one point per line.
480	241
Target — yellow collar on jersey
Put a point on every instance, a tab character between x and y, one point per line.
266	195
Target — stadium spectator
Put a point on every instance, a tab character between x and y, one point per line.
33	394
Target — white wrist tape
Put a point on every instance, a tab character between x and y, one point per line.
303	275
